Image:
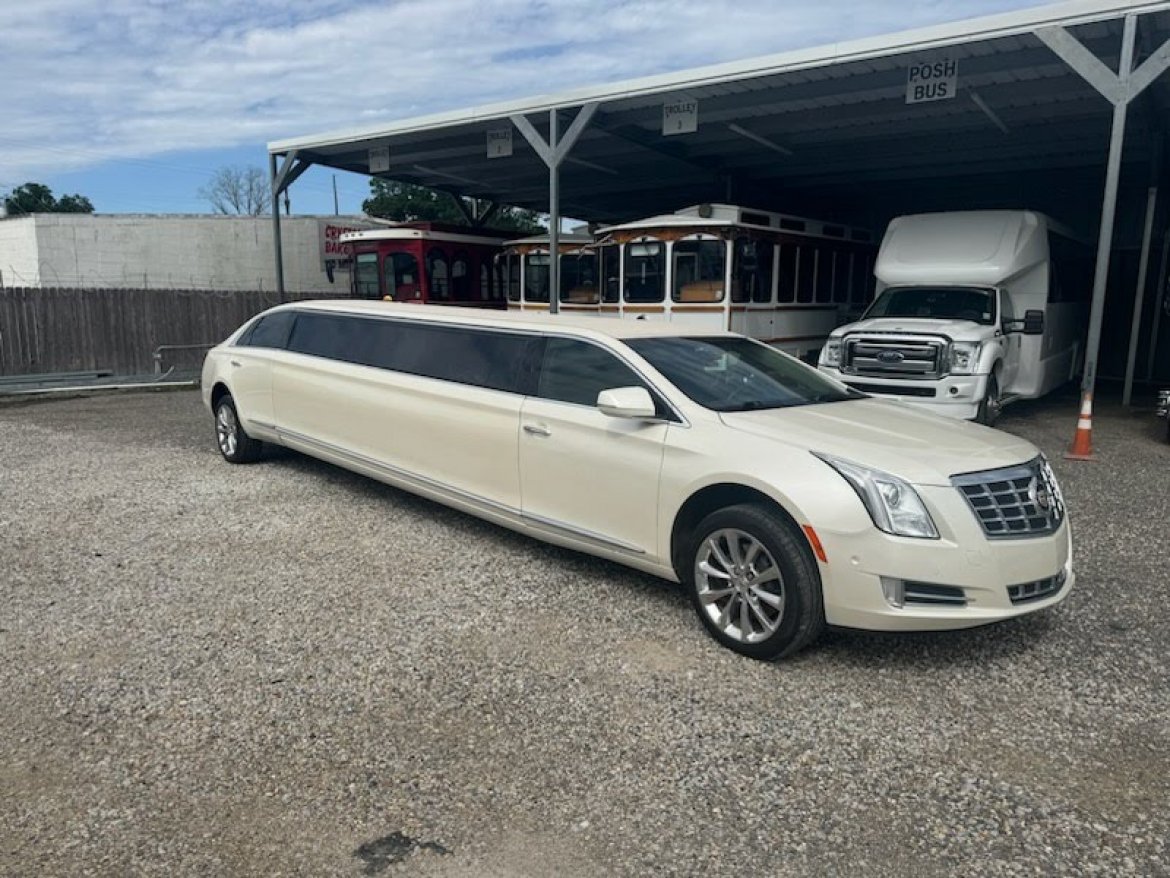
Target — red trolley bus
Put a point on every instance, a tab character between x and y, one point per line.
427	262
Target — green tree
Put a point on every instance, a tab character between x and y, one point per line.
38	198
406	202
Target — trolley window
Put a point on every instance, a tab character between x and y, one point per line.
365	276
645	271
699	268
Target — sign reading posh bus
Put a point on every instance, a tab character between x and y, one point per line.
932	81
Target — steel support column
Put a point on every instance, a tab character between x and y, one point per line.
553	152
554	220
1160	294
276	245
1118	88
1139	298
1114	87
291	168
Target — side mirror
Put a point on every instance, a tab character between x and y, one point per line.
627	402
1033	322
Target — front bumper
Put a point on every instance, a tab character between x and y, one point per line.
964	562
956	396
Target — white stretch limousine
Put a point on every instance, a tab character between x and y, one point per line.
782	500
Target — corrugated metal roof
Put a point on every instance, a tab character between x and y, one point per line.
816	123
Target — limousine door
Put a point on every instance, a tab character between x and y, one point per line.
250	361
585	475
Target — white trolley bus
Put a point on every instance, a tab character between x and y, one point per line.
784	280
524	273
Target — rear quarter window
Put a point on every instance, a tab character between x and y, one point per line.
270	331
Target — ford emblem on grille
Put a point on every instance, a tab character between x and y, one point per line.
890	357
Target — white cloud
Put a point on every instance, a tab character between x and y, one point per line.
138	78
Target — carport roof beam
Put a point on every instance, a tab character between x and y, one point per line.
554	151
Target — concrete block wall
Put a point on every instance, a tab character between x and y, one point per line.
135	251
18	252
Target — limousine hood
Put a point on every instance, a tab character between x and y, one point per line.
920	447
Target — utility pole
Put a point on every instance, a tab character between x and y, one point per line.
336	211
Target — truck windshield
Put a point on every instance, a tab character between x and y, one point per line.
734	374
935	303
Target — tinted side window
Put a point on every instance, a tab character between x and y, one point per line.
480	358
576	371
325	335
270	331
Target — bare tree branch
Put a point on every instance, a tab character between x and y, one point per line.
238	190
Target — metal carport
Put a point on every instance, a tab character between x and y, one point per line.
1055	107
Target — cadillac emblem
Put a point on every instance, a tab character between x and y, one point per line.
1040	496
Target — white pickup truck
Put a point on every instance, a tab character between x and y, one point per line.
974	309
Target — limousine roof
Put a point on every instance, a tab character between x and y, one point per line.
538	321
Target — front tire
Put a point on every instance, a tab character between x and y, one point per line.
234	443
991	406
754	583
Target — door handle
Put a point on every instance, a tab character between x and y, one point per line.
537	429
236	363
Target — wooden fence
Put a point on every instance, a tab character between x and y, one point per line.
46	330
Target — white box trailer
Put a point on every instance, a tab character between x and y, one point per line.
974	309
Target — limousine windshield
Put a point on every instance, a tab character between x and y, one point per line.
733	374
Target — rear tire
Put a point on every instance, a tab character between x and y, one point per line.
753	581
233	442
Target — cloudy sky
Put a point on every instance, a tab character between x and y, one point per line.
135	102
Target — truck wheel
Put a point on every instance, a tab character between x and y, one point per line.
754	582
990	407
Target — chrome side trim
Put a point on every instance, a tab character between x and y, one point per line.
399	473
583	534
460	494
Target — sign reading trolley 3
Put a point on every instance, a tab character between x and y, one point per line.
936	80
680	117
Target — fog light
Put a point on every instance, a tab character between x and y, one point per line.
954	391
895	592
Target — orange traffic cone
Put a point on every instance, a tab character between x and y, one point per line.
1082	446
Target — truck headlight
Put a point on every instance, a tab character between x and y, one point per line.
894	506
964	357
831	353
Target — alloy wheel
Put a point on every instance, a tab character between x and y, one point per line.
739	585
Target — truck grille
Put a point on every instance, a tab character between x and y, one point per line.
892	389
1017	501
890	358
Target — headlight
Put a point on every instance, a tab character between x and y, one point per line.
894	506
831	353
964	357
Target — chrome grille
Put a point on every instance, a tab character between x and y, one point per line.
1018	501
892	358
1036	591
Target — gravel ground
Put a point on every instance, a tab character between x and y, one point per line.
285	669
